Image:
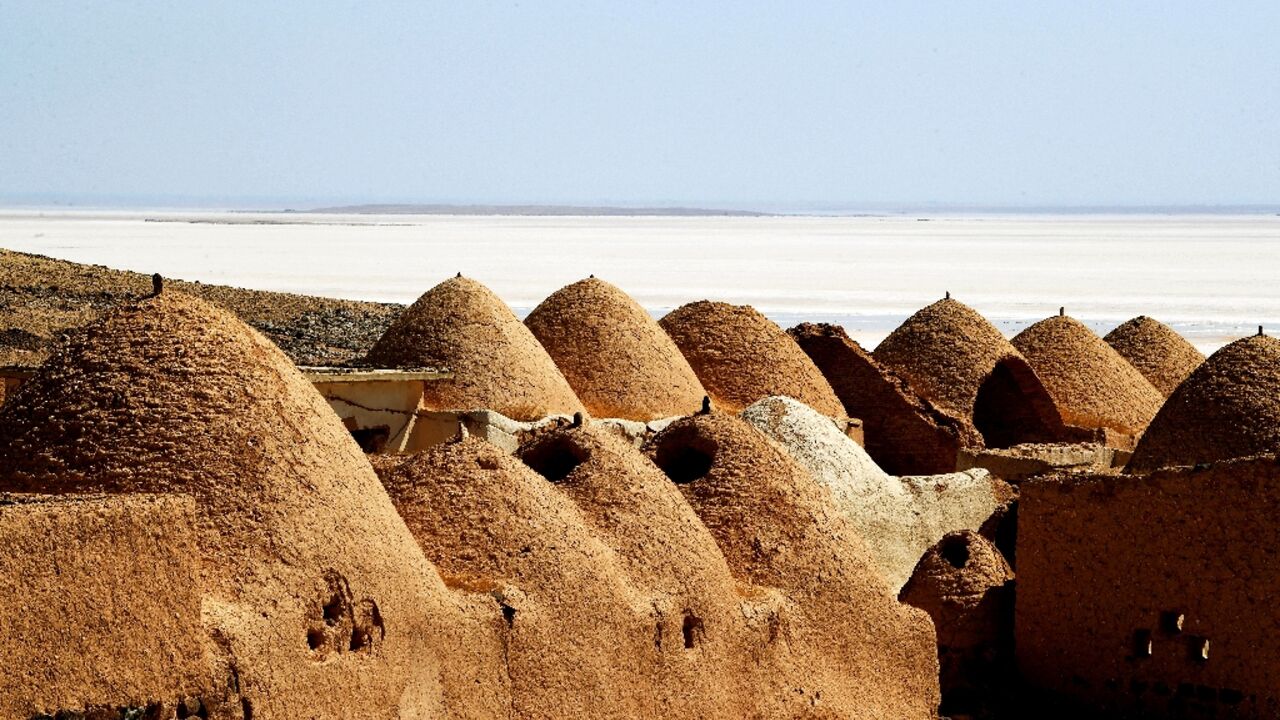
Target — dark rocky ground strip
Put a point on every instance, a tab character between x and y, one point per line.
42	297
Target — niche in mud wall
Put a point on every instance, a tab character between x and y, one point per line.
344	624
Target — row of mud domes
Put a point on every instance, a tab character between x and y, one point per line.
590	347
474	588
944	380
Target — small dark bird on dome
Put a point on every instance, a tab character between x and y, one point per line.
1259	330
1062	311
157	284
577	420
706	406
458	275
592	276
948	294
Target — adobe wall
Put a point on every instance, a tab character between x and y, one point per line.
9	382
1154	594
379	414
99	604
1017	463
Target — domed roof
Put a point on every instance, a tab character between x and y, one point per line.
615	356
671	558
1090	383
957	360
1229	407
304	556
903	432
632	506
966	586
493	525
899	518
958	570
741	356
778	527
816	443
497	363
1163	356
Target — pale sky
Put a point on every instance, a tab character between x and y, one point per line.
775	105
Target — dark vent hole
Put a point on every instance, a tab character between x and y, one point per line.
315	638
691	629
373	439
956	552
684	463
554	459
359	639
333	610
1142	646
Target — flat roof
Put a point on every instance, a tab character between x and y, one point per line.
21	372
349	374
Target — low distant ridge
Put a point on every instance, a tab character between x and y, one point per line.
545	210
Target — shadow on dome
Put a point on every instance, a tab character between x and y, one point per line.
1012	406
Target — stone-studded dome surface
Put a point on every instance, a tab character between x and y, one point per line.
1092	385
497	363
308	572
778	527
1229	407
613	353
741	356
950	355
905	433
1163	356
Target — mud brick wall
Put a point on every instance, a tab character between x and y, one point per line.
1154	594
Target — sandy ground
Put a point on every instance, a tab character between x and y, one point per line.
1210	277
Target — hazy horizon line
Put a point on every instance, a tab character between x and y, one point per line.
47	201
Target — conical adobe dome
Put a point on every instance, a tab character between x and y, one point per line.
578	641
1229	407
615	356
1163	356
708	638
497	363
1090	383
905	433
310	578
778	527
966	586
957	571
741	356
957	360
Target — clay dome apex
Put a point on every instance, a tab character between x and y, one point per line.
1228	407
958	361
497	363
1092	385
614	355
1163	356
741	357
